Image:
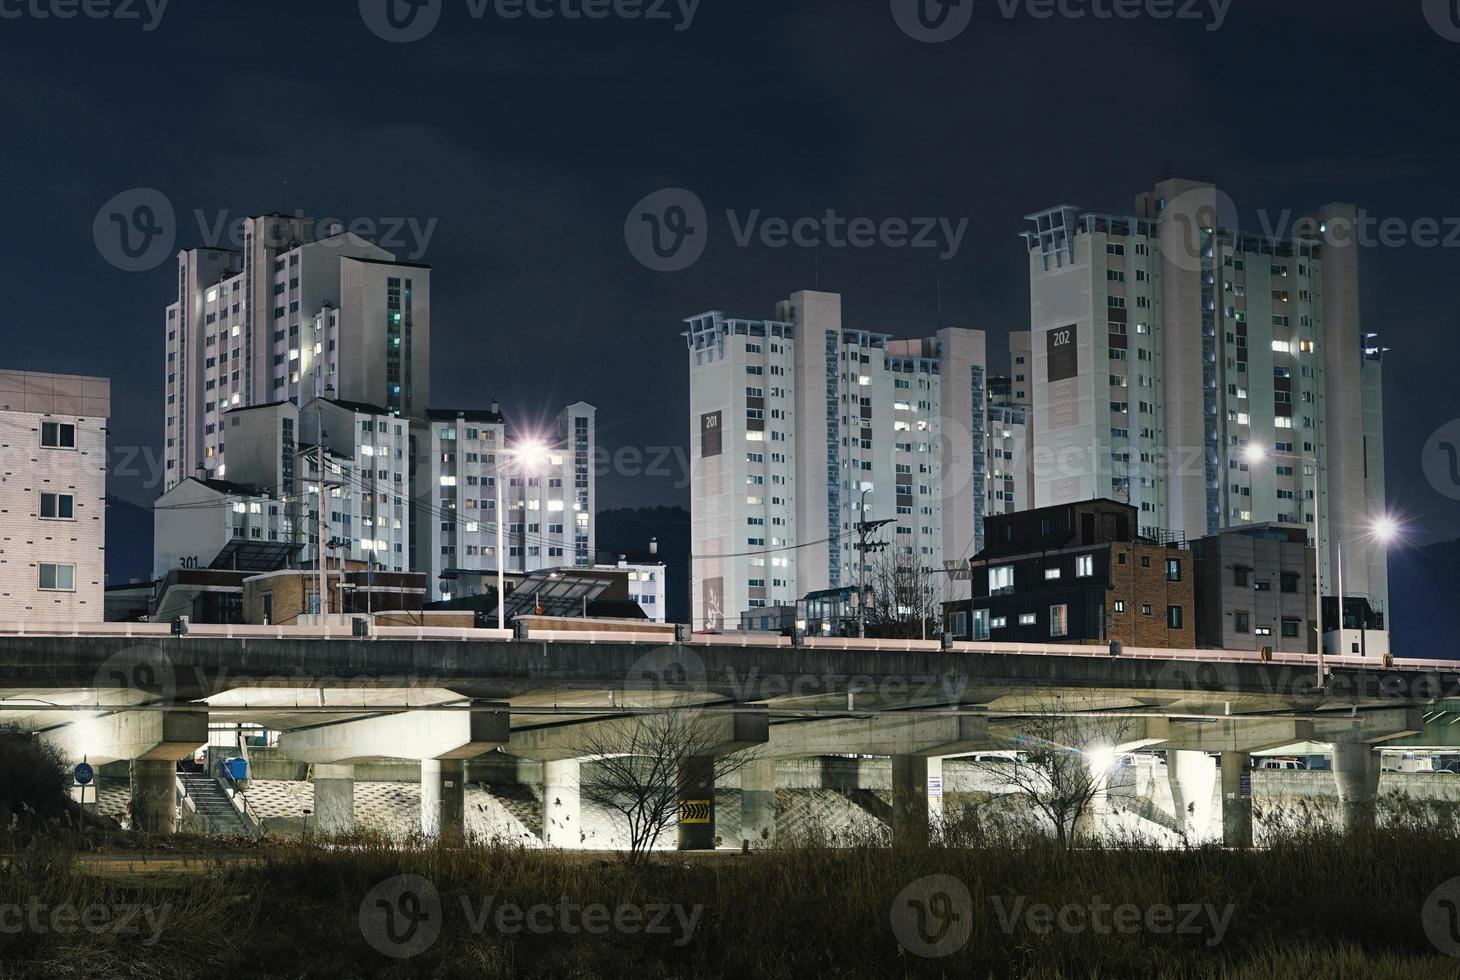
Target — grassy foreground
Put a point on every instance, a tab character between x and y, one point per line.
1317	904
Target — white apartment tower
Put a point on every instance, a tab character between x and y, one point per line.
1168	341
53	430
796	421
550	499
1010	432
284	319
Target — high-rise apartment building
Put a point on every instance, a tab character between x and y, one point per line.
1010	433
53	430
1167	343
802	428
283	320
549	494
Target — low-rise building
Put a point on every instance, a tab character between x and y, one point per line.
645	572
1254	589
1078	573
53	433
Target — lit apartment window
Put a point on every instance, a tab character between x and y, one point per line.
57	578
1084	566
1001	579
1028	619
1050	574
1059	620
1173	569
1173	617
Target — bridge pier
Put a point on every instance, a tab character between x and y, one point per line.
758	803
334	799
1356	768
562	824
154	795
1237	799
443	798
912	807
696	825
1193	779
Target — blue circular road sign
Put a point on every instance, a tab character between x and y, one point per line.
84	774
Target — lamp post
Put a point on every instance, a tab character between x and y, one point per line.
527	455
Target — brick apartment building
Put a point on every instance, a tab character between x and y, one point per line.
1078	573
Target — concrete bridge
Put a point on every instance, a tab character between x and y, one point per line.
138	694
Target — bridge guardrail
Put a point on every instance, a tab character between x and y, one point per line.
163	631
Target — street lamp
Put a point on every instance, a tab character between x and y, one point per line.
1254	454
528	456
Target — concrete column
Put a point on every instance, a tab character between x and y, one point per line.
697	804
1237	799
443	798
909	801
1356	769
758	803
562	813
334	799
154	796
1193	780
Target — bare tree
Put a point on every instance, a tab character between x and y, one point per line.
639	761
1058	762
904	596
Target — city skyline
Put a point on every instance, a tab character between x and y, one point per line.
491	288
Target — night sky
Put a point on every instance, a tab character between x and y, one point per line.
525	143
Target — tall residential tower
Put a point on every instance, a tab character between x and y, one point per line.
1168	346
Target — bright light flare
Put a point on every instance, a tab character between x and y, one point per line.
1385	529
1254	453
1101	760
530	455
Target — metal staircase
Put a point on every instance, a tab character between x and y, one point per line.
215	811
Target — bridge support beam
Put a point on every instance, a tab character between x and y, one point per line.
1193	780
911	810
1237	799
1356	770
562	812
696	825
758	803
154	795
443	798
334	799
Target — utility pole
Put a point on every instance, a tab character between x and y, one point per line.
321	528
864	529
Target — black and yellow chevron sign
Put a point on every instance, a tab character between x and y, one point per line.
694	811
